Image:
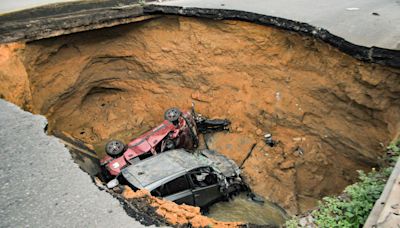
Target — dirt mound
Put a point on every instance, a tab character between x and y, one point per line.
331	113
177	214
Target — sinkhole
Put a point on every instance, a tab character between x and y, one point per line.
330	113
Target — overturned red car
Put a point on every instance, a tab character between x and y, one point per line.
178	130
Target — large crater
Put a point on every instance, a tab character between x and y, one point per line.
331	113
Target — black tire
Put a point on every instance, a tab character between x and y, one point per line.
114	148
172	115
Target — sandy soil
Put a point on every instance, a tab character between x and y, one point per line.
177	214
331	113
14	84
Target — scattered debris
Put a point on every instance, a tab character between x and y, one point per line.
278	96
205	125
307	221
299	139
298	151
256	198
269	141
352	9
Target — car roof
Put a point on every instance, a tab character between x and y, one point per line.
159	169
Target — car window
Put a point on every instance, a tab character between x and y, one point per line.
177	185
159	192
203	177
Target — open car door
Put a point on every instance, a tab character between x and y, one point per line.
206	188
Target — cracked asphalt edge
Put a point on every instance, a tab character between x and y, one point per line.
40	184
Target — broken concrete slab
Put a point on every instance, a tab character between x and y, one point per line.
68	17
42	186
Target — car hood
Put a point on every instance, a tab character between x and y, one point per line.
227	166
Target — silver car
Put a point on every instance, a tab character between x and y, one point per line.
200	178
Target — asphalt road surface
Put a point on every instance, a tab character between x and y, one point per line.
7	6
40	186
363	22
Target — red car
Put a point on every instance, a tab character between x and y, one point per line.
178	130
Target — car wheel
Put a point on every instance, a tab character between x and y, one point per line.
172	114
114	148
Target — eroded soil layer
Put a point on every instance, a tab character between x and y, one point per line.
331	113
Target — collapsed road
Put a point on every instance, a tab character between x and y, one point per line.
40	184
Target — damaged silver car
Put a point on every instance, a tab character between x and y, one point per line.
200	178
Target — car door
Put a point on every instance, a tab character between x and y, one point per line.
206	188
177	190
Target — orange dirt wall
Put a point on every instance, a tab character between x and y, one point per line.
14	85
